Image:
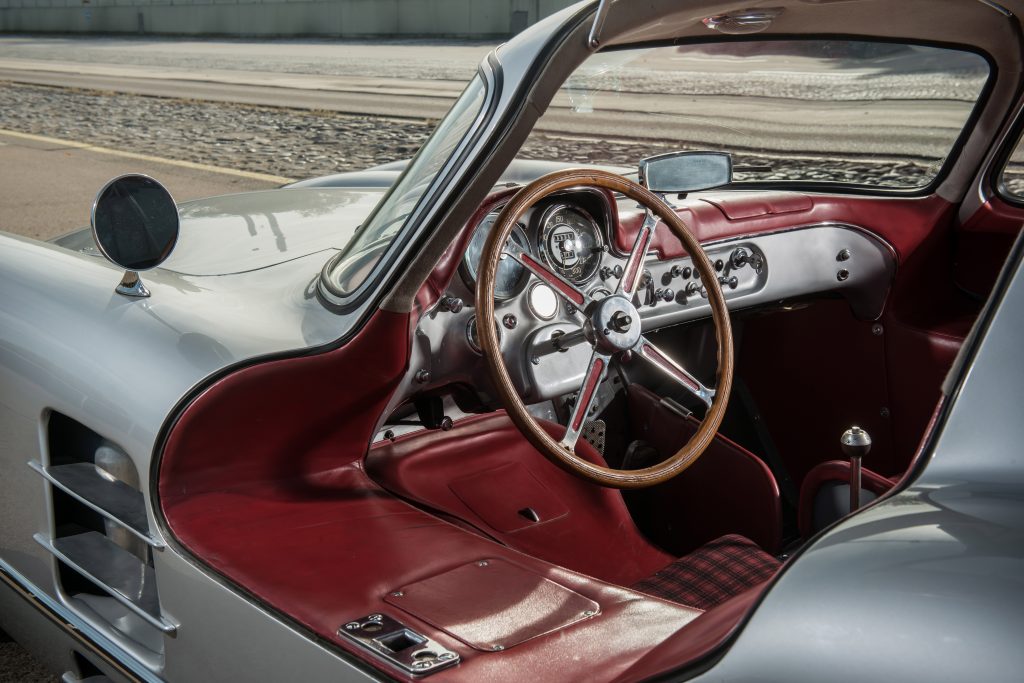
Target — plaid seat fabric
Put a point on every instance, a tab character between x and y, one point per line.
711	574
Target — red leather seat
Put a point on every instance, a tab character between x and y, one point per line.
712	574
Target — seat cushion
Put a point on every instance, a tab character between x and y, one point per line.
715	572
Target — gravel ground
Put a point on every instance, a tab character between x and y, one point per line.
18	666
301	144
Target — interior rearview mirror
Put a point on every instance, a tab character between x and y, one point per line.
135	225
686	171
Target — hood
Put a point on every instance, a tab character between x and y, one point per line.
238	233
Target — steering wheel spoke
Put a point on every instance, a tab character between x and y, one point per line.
562	287
635	263
653	355
596	372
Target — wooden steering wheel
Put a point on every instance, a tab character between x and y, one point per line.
611	325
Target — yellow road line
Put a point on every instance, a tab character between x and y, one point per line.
145	157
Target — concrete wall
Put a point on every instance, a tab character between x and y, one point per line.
345	18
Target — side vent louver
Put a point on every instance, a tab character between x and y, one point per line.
101	537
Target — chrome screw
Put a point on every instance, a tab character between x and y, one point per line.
876	330
352	626
843	255
482	563
497	648
843	275
397	594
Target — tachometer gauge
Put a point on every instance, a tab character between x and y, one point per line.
571	243
510	275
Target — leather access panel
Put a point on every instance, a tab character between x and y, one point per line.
533	502
492	604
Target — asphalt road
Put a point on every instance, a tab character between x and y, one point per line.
55	182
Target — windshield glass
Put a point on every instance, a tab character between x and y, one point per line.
373	237
884	115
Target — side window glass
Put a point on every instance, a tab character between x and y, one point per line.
1011	183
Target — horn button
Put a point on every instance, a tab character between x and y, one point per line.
613	324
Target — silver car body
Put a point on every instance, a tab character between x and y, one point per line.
924	585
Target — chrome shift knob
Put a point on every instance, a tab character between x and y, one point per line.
855	442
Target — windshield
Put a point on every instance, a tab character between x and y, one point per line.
883	115
373	237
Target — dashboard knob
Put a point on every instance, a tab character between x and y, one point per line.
691	288
666	294
451	304
719	264
732	281
605	272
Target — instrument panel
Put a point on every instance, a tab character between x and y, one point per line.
561	231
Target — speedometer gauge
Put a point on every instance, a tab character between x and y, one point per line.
571	243
510	274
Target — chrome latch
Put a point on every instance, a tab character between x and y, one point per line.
399	645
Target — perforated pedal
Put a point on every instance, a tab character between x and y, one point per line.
594	432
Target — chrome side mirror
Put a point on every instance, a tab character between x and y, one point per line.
681	172
135	225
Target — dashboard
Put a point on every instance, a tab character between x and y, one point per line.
578	234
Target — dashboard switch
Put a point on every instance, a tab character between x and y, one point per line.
451	304
731	281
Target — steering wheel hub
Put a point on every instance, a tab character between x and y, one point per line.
612	324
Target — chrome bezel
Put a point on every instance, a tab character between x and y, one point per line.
95	234
466	269
542	240
475	345
533	309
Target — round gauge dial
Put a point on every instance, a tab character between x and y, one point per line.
510	273
571	243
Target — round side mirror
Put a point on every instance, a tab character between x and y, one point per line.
135	225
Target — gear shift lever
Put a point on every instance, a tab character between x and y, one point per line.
856	443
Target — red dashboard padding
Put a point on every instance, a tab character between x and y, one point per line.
484	472
728	490
834	471
739	206
903	223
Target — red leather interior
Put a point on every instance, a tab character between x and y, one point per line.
491	603
708	631
813	372
484	472
983	243
727	491
903	223
835	471
261	477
